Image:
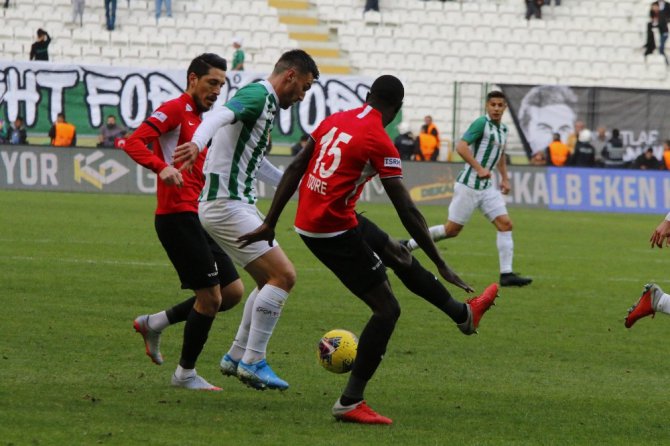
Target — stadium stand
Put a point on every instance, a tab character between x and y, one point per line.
430	45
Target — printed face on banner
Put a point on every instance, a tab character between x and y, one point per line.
545	121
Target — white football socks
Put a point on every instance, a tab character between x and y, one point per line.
240	343
663	304
505	251
437	233
182	373
158	321
266	311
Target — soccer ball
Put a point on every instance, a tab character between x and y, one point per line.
336	351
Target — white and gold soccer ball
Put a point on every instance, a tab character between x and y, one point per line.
336	351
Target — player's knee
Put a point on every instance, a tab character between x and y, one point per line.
390	312
208	301
452	231
284	279
231	295
505	225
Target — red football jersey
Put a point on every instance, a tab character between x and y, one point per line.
172	124
350	148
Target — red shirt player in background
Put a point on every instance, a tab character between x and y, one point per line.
202	266
346	151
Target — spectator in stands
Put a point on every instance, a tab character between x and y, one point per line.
599	143
556	2
574	136
614	151
4	132
432	128
405	142
558	153
663	8
62	133
6	4
428	144
78	10
18	134
40	48
534	8
297	147
110	14
584	154
110	132
647	161
545	110
159	7
371	5
238	55
666	154
657	23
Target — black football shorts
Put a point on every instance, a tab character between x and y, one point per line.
199	261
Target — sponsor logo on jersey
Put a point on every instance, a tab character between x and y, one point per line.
189	108
89	169
392	162
162	117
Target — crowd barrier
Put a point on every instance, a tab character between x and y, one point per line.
112	171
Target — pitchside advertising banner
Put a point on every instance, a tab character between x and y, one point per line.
112	171
642	116
38	91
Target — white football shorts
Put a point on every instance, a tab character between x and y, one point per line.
226	220
465	200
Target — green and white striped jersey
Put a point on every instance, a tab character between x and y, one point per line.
238	148
487	142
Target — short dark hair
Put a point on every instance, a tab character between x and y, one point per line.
201	65
667	141
557	136
299	60
495	94
304	137
387	90
61	115
41	32
615	133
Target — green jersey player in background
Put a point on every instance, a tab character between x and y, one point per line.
482	148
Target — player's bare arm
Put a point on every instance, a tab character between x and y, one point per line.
413	221
463	149
186	154
285	190
171	176
661	234
505	186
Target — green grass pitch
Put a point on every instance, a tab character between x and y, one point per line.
552	365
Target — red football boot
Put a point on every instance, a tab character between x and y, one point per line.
358	413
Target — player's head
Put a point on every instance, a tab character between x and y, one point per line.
293	75
204	78
545	110
386	95
496	104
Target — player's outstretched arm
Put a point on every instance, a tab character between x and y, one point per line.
413	221
661	234
285	190
463	149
